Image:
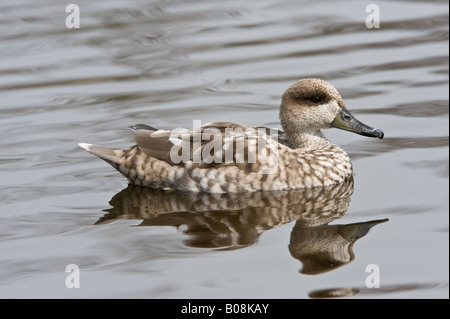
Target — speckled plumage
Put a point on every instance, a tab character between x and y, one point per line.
230	163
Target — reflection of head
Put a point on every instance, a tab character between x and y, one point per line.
326	247
319	249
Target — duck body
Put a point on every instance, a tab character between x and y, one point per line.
224	157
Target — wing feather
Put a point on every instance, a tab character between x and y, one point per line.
214	145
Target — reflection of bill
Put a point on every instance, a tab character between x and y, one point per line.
211	145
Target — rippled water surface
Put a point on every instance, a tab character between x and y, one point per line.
167	63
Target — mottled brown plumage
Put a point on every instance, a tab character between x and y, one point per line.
224	157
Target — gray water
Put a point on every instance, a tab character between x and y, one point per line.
167	63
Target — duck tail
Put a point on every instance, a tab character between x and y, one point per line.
110	155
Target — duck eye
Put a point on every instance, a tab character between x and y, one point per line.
315	99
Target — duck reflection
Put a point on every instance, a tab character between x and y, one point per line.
231	221
326	247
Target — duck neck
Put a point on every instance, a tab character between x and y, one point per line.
310	140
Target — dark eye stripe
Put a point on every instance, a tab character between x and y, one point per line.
315	99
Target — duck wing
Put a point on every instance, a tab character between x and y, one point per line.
213	145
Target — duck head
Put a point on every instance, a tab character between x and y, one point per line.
313	104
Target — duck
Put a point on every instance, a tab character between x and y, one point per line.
225	157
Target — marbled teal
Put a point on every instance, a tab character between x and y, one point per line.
223	157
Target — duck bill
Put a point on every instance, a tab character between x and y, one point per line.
344	120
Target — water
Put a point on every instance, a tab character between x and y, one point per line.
166	63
